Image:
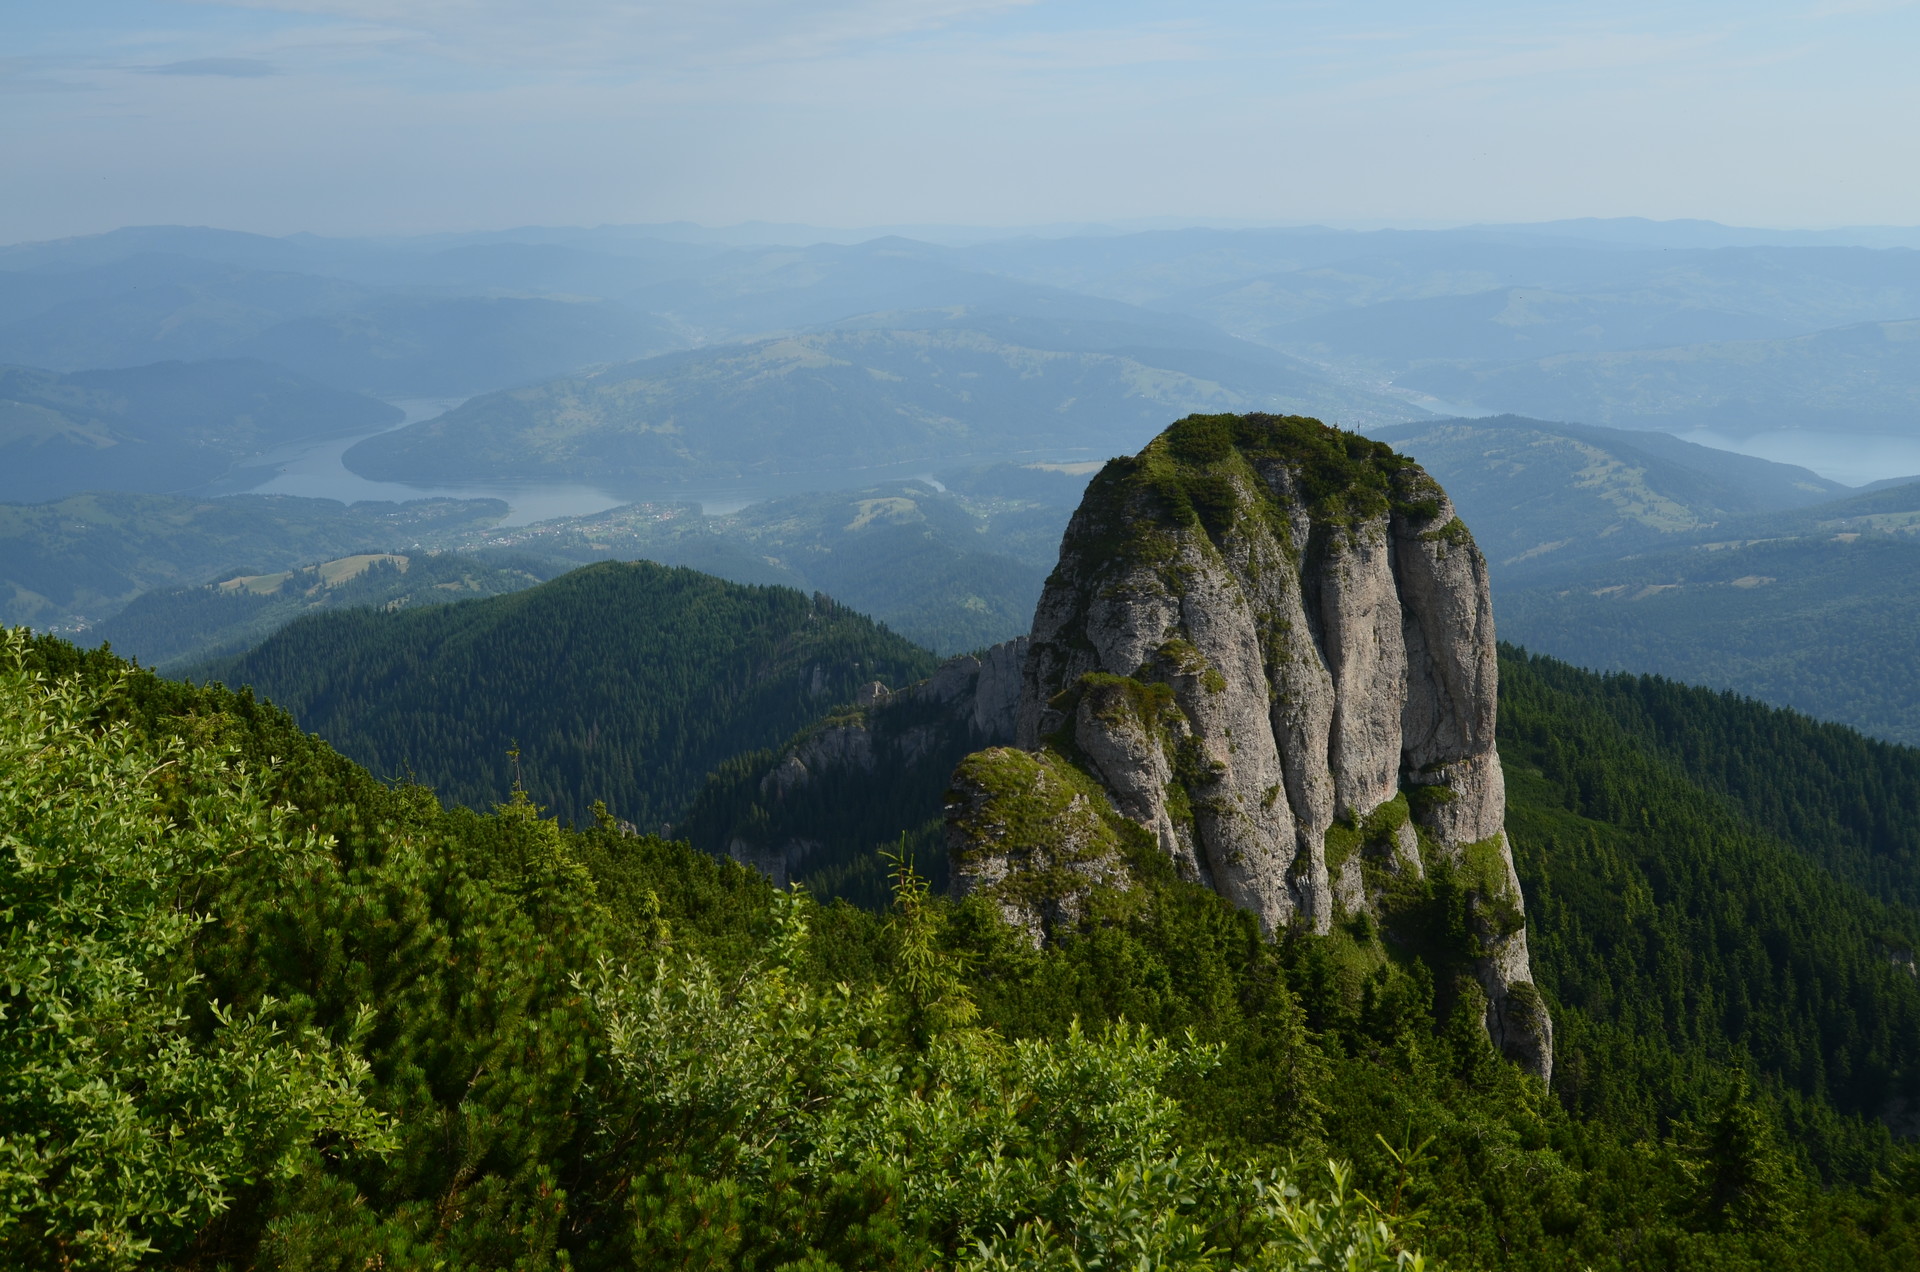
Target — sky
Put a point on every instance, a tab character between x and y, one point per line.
404	116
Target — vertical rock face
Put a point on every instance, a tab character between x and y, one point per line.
1271	644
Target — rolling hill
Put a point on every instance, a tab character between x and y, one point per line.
455	346
831	403
181	626
1635	551
1539	494
162	428
69	564
626	682
1815	611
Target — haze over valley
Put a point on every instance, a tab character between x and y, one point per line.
730	385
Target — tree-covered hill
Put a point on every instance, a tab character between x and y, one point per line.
1709	880
625	682
170	426
365	1031
265	1012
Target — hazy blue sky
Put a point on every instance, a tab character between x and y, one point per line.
339	117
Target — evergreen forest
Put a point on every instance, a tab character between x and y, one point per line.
266	1009
625	682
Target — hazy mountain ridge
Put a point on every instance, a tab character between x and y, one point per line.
1863	378
1375	303
169	426
829	401
1544	493
69	564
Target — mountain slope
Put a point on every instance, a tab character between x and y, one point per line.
832	403
153	306
1539	494
160	428
69	564
1821	621
1858	379
1635	551
602	1013
622	682
453	347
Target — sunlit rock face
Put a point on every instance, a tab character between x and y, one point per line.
1270	646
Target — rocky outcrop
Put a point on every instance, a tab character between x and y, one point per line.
1041	839
1270	643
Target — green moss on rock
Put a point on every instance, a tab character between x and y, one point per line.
1204	474
1042	839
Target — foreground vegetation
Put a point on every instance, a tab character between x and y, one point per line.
263	1010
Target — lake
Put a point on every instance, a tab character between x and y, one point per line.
314	470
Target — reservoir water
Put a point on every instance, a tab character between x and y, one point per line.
314	470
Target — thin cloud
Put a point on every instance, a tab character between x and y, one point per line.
606	34
223	67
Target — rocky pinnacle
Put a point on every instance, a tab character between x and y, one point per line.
1270	646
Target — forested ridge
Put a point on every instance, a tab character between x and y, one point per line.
1816	622
480	1039
1693	896
624	682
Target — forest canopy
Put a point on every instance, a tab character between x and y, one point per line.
264	1010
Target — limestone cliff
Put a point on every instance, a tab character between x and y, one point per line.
1270	645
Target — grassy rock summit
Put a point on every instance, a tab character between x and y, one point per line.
1267	655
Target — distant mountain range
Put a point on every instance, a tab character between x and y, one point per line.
1863	378
1670	325
936	388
